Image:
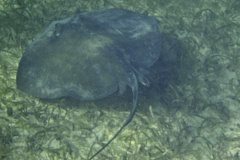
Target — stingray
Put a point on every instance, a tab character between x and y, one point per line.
90	56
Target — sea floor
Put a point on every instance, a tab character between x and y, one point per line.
190	111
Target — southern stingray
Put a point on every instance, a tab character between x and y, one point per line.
90	56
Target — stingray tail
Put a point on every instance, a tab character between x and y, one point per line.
133	83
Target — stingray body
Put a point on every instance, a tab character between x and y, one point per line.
90	56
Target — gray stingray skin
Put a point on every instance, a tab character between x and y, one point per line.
90	56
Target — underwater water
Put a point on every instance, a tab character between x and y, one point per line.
190	111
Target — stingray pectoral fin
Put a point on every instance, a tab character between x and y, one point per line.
121	87
133	83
